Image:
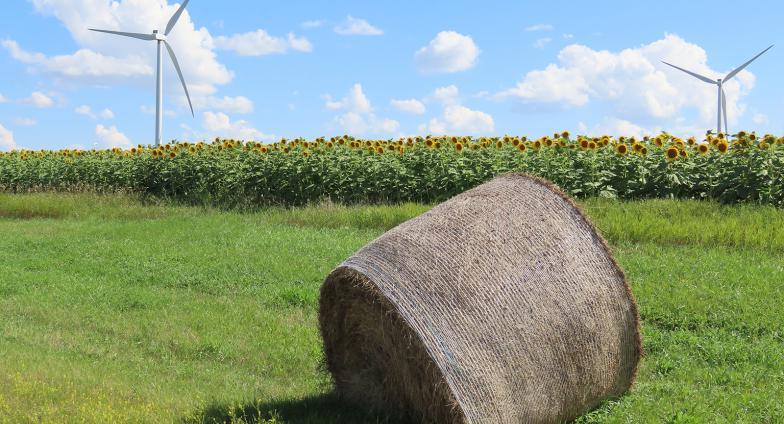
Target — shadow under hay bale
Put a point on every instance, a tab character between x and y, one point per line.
502	305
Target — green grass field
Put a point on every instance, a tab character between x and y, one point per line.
111	310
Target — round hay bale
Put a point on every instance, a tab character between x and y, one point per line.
502	305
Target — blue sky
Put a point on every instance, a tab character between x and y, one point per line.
263	70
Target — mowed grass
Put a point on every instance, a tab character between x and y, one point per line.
115	310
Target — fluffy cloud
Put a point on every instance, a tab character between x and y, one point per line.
409	106
359	118
220	125
85	110
456	118
459	119
39	100
239	104
448	52
260	43
356	101
448	95
83	63
355	26
111	137
107	114
634	83
3	99
6	139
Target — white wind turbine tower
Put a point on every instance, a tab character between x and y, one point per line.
161	39
720	83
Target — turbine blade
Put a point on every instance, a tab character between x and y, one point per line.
179	73
147	37
724	108
175	17
740	68
695	75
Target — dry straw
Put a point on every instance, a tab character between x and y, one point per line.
502	305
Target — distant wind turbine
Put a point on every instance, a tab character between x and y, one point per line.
720	83
161	39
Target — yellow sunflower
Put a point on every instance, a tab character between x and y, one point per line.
672	153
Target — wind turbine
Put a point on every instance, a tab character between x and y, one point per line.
720	83
161	40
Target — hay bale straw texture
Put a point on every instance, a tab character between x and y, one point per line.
502	305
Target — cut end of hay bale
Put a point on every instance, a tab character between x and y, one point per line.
501	305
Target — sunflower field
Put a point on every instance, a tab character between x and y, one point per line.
731	169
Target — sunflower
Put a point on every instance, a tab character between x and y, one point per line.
437	145
499	144
459	147
764	146
672	153
722	146
565	134
591	145
703	148
684	153
658	141
379	150
429	142
521	147
192	149
621	149
584	143
172	155
692	141
644	151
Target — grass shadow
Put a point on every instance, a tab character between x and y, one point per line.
323	409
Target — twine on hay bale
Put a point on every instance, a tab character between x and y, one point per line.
502	305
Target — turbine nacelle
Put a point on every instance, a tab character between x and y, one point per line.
158	36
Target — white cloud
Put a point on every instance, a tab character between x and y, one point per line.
312	24
356	26
410	106
6	139
456	118
239	104
260	43
448	95
359	117
3	99
220	125
460	120
83	63
447	53
85	110
539	27
542	42
107	114
760	119
102	58
111	137
39	100
356	101
25	122
567	36
634	83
